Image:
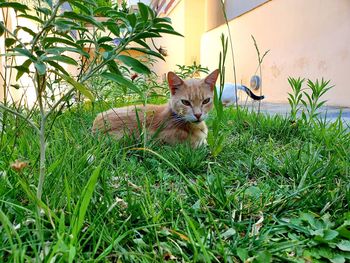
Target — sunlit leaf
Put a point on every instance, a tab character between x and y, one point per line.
40	67
17	6
122	81
134	64
62	58
77	85
143	9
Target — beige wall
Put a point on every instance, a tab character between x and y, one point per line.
188	18
309	38
194	28
174	45
26	94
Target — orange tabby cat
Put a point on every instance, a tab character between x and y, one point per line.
180	120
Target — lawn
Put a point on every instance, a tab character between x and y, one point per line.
278	191
264	189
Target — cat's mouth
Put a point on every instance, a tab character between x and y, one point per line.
197	121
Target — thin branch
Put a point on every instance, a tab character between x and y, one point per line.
46	26
59	102
20	115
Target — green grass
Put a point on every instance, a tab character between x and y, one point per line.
287	183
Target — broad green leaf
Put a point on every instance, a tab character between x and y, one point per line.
113	27
26	53
17	6
308	218
113	67
166	31
102	10
132	19
242	254
104	39
55	40
16	86
88	2
49	2
329	234
142	43
56	66
65	25
107	55
143	9
82	7
337	259
61	58
84	41
40	67
253	191
28	30
24	68
83	18
147	51
343	230
122	81
145	35
2	28
59	50
9	41
77	85
264	257
44	10
164	26
134	64
106	47
162	20
344	245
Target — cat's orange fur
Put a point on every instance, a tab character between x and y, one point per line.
180	120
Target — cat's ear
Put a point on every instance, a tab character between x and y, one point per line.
174	81
211	79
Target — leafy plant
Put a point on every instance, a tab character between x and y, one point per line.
61	34
309	98
312	102
295	98
320	239
192	71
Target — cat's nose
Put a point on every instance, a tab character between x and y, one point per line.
198	115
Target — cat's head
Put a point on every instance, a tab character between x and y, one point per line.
192	99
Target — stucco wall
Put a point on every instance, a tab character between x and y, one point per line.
309	39
188	18
26	94
174	45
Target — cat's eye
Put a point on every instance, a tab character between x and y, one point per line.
206	101
186	102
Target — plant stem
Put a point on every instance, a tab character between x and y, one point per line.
47	25
231	47
21	116
42	155
41	81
